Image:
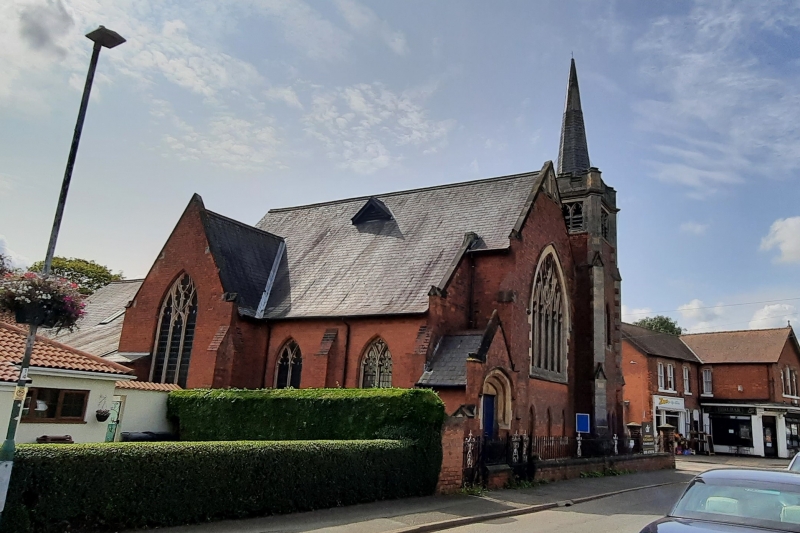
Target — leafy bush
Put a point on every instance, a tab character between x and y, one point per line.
128	485
306	414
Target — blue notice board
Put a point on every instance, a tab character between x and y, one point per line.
582	423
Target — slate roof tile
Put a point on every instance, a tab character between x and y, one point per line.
448	366
333	267
655	343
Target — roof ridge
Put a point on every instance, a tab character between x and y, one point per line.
123	281
735	331
240	223
407	191
40	338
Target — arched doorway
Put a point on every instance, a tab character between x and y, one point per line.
495	404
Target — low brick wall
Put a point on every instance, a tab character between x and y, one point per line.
558	469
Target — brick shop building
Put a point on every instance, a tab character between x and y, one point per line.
501	294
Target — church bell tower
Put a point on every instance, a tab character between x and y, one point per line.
590	213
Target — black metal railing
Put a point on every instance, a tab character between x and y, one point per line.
553	447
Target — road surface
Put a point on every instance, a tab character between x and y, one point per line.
624	513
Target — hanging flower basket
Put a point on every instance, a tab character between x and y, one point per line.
102	415
45	301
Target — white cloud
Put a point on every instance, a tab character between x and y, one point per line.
363	20
286	95
774	316
636	313
694	228
359	125
784	234
721	108
16	260
700	317
307	30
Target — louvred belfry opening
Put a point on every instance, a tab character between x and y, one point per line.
177	320
373	209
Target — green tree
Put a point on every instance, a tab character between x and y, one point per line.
5	265
89	275
661	323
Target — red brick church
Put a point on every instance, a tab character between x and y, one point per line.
501	294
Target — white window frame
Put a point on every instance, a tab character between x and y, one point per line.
708	383
661	377
671	378
687	382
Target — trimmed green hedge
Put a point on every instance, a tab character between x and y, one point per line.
127	485
306	414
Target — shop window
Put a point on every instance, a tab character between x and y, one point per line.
290	366
55	405
707	385
376	368
175	335
687	389
660	376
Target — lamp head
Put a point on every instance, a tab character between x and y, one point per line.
105	37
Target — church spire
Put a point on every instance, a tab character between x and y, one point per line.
573	153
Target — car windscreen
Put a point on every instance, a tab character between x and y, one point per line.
760	504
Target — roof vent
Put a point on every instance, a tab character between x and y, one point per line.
374	209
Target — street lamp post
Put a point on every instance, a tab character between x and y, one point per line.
102	37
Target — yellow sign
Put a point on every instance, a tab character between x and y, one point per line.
20	393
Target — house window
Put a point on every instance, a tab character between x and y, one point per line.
573	215
55	405
660	376
794	382
290	366
670	377
604	223
173	346
783	384
687	389
707	389
548	321
376	369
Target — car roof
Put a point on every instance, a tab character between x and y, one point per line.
751	474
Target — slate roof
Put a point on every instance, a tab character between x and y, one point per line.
98	331
448	366
745	346
658	344
147	385
244	256
573	152
336	268
48	354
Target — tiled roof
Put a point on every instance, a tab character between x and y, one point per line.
50	354
244	256
655	343
448	366
98	331
745	346
147	385
335	267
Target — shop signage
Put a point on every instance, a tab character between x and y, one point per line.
729	410
648	438
668	403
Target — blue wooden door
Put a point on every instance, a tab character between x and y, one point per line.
488	416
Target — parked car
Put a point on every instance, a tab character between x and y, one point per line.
794	466
735	500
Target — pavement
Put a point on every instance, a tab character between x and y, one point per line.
436	513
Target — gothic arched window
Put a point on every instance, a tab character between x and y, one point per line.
573	215
176	322
290	366
549	322
376	368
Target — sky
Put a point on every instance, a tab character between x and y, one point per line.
692	110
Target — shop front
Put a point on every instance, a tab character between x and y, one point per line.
754	429
672	411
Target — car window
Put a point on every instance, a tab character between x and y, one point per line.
794	466
757	504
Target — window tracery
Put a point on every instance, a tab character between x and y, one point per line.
173	346
376	368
